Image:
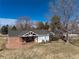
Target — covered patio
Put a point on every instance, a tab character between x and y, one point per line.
29	37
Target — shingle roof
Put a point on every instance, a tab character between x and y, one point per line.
20	33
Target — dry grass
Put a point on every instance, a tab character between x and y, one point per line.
53	50
2	42
75	42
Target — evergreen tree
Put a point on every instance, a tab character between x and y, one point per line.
14	28
46	26
4	29
55	23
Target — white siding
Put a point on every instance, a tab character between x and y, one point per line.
43	38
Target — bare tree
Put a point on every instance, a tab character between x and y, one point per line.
53	7
76	23
23	23
64	8
39	25
67	11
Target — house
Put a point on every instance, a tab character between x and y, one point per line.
41	36
22	37
37	36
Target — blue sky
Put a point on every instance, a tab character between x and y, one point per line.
10	10
5	21
35	9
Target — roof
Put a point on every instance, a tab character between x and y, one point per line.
20	33
29	34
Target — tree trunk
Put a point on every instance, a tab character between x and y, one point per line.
67	36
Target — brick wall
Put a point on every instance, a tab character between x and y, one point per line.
13	42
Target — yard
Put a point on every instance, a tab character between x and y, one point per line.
53	50
2	42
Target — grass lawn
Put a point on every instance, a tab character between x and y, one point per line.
75	42
53	50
